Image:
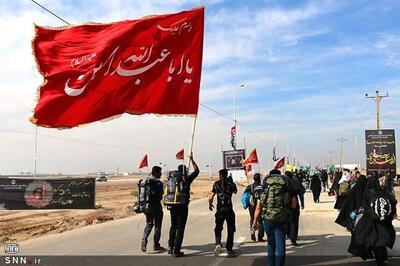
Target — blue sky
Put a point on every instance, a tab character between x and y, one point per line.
306	66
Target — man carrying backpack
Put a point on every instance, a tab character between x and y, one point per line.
177	197
153	210
223	188
274	209
254	190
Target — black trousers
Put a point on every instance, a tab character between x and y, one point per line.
325	185
154	219
380	255
179	215
316	194
293	228
228	215
252	210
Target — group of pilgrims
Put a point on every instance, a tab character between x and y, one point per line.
366	206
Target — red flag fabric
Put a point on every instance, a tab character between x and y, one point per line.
180	155
144	163
280	163
252	158
96	71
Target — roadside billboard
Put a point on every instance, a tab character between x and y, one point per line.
380	148
36	194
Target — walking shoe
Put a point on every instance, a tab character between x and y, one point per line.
294	243
179	254
144	245
253	237
231	253
170	251
260	239
159	248
217	250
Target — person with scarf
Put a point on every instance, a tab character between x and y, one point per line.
315	187
372	229
343	189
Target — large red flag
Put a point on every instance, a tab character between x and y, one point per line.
252	158
280	163
180	155
96	71
144	162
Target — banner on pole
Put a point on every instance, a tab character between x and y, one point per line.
233	159
37	194
380	148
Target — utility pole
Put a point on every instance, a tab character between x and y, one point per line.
358	152
377	98
341	140
330	157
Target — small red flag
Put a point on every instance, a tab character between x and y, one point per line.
144	163
180	155
280	163
252	158
96	71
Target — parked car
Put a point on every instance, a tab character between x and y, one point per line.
102	178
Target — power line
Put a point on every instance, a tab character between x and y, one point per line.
83	141
43	7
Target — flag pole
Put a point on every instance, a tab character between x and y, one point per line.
35	153
192	140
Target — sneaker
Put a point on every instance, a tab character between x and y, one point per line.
294	243
260	239
179	254
231	253
159	248
253	237
144	245
217	250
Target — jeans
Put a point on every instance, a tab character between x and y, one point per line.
179	215
276	233
228	215
154	219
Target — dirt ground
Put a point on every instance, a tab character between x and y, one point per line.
116	197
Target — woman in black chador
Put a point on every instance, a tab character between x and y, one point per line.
316	187
369	211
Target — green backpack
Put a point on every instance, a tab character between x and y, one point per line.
275	200
344	189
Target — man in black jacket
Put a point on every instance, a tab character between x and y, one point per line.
253	190
179	213
223	188
297	200
154	213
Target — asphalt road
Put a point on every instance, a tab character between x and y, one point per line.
322	242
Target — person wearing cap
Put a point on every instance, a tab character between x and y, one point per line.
179	213
154	214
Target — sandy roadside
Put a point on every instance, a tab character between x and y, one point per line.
116	199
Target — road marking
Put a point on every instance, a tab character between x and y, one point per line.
223	256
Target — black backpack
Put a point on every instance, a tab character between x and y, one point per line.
381	208
174	193
144	192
